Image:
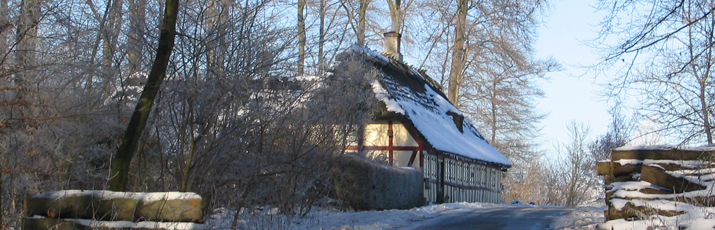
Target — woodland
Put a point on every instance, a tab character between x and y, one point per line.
227	98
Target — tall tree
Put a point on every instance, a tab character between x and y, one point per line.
26	56
322	13
301	35
130	141
110	36
4	30
490	62
618	134
395	15
492	77
456	71
573	169
135	37
362	21
4	26
664	51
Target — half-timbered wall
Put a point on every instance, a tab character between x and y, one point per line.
391	141
463	181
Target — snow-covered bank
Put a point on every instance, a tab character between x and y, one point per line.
581	218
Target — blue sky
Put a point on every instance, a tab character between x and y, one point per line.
571	95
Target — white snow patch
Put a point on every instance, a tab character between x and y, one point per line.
138	225
629	186
362	49
684	163
382	95
145	197
581	218
694	217
314	78
664	147
629	162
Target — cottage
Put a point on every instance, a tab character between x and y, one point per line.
420	128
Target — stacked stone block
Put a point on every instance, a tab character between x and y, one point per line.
635	176
98	209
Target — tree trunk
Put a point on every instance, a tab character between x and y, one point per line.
187	165
395	15
216	12
494	120
111	35
123	157
706	113
704	85
702	78
458	53
301	36
362	21
25	55
321	38
4	27
135	39
2	210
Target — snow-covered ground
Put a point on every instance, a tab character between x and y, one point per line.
580	218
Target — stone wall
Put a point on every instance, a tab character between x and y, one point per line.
363	185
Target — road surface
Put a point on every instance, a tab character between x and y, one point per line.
497	218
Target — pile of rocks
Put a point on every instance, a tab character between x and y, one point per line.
99	209
647	181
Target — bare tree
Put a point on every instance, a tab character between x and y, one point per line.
25	54
528	183
5	28
323	31
618	134
573	170
396	14
459	61
322	14
493	81
135	38
362	21
664	52
301	35
358	18
135	128
496	86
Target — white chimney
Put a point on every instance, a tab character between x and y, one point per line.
392	45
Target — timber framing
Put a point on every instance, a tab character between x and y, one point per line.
468	169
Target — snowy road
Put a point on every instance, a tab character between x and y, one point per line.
495	218
436	216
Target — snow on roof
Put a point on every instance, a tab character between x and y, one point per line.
664	147
407	92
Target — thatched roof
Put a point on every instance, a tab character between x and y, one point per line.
414	95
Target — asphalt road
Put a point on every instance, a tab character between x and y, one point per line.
498	218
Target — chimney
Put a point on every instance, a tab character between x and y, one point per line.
392	45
